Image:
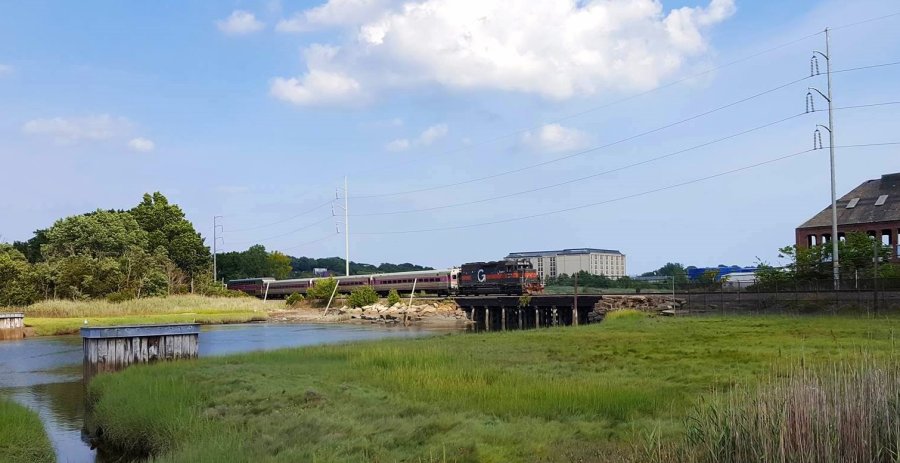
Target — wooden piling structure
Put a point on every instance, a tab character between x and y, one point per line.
12	326
114	348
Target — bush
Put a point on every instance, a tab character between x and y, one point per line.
322	289
393	297
362	296
294	299
119	296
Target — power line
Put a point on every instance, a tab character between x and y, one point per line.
618	169
614	143
657	88
283	220
286	233
865	21
625	99
310	242
621	198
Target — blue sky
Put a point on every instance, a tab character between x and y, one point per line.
256	110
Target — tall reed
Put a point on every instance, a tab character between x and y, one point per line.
848	412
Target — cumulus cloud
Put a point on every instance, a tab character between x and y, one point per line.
73	130
555	138
316	88
5	69
141	144
400	144
240	23
554	48
427	137
333	13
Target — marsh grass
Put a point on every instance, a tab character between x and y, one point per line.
604	392
22	436
57	317
848	412
60	308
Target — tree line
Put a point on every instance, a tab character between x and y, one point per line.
257	262
148	250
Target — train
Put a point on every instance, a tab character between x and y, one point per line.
507	277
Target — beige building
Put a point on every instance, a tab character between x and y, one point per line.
550	264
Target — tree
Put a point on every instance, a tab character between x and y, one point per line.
32	248
279	265
670	269
97	234
167	227
15	287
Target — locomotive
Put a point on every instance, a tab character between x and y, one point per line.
511	276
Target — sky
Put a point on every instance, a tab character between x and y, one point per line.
466	130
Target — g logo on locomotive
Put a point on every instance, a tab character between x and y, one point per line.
481	275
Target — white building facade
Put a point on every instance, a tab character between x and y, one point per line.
550	264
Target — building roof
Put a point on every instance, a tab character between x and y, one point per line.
562	252
874	201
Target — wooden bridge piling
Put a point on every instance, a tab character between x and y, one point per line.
12	326
109	349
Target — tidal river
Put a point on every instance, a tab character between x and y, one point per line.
45	373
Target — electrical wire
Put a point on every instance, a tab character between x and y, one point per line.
614	143
621	198
310	242
286	233
281	221
618	169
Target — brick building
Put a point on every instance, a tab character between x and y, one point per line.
872	208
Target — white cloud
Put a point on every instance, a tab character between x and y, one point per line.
400	144
6	69
73	130
554	48
316	88
240	23
333	13
555	138
427	137
433	133
141	144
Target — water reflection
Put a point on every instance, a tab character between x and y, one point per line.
45	373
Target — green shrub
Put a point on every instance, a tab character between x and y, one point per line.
362	296
393	297
293	299
119	296
322	289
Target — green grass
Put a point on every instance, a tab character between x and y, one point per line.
22	436
591	393
55	317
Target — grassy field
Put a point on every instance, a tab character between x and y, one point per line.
54	317
592	393
22	437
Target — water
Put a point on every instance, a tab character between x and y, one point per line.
45	375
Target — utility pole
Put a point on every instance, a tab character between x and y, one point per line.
346	208
216	238
814	70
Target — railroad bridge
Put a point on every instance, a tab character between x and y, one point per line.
519	312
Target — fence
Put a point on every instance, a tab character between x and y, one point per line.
864	296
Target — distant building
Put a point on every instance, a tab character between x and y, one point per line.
872	208
694	273
550	264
